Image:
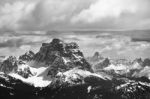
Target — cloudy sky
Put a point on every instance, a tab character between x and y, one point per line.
26	24
112	45
74	14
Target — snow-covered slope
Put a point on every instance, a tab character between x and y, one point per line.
122	67
36	81
76	74
34	76
145	72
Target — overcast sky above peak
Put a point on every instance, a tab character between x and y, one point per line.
74	14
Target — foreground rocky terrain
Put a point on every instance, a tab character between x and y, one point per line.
59	70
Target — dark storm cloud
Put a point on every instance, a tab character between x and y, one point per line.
18	41
11	43
141	39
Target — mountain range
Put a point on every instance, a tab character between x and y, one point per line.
128	68
59	70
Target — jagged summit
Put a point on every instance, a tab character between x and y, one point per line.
104	63
146	62
49	51
52	58
97	54
9	64
61	56
28	56
13	65
97	57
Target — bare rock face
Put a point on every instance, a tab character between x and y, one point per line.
50	51
146	62
61	56
9	64
97	56
28	56
104	63
25	72
12	65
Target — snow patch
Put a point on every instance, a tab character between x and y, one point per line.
35	81
144	72
117	68
89	89
65	60
76	73
40	78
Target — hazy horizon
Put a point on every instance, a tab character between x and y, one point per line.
113	44
115	28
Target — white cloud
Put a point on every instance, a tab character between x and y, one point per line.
12	13
64	14
109	45
53	11
106	8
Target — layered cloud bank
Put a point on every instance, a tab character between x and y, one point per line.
109	44
112	45
74	14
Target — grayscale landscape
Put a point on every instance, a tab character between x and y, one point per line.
73	49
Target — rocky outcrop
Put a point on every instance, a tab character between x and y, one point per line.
25	72
9	65
146	62
97	57
101	65
12	65
28	56
61	56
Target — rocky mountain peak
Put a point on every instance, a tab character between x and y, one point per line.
9	64
96	58
55	45
27	56
61	56
146	62
139	60
104	63
57	48
96	54
13	65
